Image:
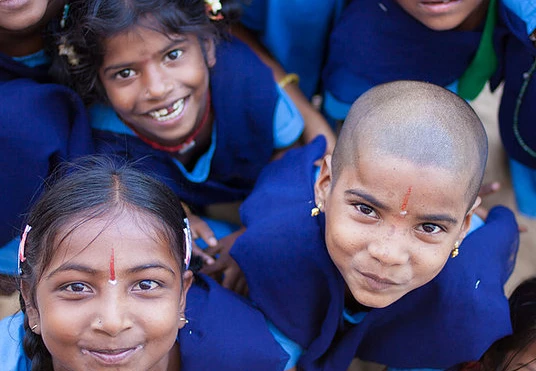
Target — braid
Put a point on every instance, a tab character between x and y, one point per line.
35	349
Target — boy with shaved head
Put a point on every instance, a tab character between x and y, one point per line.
367	260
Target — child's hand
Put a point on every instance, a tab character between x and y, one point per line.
486	190
233	277
200	229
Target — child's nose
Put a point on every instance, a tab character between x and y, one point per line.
112	315
389	250
157	83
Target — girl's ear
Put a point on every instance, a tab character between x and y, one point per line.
31	311
187	279
324	181
210	50
467	219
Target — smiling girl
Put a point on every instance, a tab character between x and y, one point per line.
205	116
104	278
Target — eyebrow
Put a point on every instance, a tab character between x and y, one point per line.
367	197
88	270
445	218
173	43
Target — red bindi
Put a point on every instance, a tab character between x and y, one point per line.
112	280
404	205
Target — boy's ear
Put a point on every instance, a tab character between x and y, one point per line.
467	219
31	310
324	181
210	50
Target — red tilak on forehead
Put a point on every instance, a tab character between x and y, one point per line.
405	202
112	279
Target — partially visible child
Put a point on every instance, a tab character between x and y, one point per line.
41	123
104	280
516	114
205	116
365	256
433	41
516	351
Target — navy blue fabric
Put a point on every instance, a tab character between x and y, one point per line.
370	46
224	332
41	124
244	97
292	279
517	53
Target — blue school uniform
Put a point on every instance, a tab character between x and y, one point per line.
291	278
377	42
223	333
41	125
517	111
246	102
296	33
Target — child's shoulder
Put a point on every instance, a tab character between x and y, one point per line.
229	328
11	351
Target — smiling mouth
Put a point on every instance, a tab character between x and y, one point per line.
111	356
377	283
168	113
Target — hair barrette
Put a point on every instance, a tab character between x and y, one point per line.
213	8
68	50
64	15
188	242
22	246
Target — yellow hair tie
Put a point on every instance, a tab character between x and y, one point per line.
291	78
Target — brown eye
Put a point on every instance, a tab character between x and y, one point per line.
126	73
366	210
146	285
174	54
76	287
431	228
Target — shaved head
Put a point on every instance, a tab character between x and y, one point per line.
419	122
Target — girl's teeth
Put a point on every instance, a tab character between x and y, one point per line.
164	114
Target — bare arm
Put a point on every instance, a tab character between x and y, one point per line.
315	124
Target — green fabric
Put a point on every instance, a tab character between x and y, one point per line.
484	63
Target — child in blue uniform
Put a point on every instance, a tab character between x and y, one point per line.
41	123
105	284
434	41
368	261
204	117
516	113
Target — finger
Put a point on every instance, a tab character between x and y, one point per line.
241	287
231	278
489	188
482	212
213	250
207	259
216	268
522	228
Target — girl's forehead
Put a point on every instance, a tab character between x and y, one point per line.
130	234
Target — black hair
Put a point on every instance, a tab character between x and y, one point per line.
523	316
94	187
90	22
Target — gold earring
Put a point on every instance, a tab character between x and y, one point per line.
183	319
454	253
316	210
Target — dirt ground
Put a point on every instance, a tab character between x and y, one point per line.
497	170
